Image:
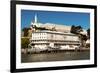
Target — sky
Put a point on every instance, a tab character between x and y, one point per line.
63	18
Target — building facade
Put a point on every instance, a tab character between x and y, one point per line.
60	38
53	39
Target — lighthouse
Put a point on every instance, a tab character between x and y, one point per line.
34	23
35	20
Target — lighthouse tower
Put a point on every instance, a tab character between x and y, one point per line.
34	23
35	20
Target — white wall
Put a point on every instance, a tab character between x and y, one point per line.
5	35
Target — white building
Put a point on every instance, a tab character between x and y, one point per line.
44	39
61	38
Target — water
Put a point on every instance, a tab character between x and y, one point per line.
61	56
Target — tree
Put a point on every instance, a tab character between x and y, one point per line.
25	30
83	39
76	29
24	42
73	29
88	33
